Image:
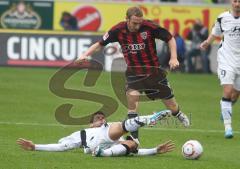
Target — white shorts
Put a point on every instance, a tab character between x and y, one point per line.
229	77
99	137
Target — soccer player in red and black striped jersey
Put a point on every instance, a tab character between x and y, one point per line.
136	37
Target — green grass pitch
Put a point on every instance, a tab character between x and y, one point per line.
27	110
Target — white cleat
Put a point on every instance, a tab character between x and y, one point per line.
159	116
229	133
183	119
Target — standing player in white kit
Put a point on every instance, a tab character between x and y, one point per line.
227	26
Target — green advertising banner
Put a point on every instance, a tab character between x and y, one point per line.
26	14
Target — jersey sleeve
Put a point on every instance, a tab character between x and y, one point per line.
109	37
161	33
217	29
55	147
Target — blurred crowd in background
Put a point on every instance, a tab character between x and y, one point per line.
50	15
192	59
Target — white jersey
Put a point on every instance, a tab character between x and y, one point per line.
94	137
229	50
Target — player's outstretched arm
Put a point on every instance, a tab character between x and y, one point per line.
128	146
26	144
160	149
166	147
29	145
95	47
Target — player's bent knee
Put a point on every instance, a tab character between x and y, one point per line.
116	130
235	95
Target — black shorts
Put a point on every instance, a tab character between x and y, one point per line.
155	86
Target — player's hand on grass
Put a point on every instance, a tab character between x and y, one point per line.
165	147
26	144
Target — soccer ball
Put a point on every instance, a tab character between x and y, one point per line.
192	149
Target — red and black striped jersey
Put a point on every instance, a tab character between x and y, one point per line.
138	48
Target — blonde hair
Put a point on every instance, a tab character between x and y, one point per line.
134	11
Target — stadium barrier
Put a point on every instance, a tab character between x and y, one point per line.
44	48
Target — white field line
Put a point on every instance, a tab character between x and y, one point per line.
145	128
190	130
32	124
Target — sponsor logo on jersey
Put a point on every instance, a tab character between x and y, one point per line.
235	32
133	47
143	35
89	18
236	29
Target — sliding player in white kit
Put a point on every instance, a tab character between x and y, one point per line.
228	26
105	139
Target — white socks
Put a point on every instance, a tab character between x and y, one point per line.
134	123
226	109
